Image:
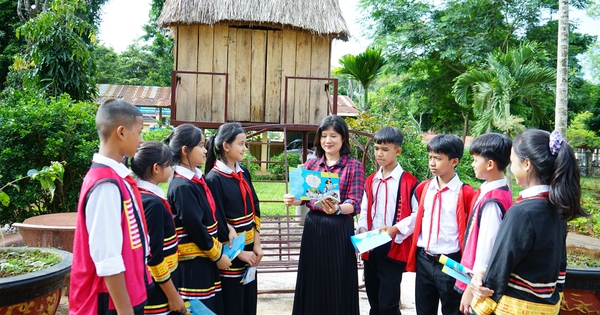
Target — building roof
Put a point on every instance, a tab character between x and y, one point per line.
346	106
323	17
149	96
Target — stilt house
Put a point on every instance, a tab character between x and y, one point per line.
232	57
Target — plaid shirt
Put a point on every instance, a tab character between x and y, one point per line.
352	179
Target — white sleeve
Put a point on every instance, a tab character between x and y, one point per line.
406	226
103	222
491	217
362	218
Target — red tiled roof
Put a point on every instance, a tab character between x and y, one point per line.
149	96
346	106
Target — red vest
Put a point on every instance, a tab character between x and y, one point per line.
503	198
463	206
406	188
88	292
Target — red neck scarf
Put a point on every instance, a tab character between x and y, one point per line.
209	196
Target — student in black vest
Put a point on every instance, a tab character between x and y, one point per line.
232	187
195	214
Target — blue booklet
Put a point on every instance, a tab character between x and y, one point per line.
237	246
249	275
314	185
456	270
196	307
366	241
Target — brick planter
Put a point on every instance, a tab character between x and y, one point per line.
49	230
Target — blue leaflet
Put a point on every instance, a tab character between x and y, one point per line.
237	246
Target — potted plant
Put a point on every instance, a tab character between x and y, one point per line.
31	279
36	292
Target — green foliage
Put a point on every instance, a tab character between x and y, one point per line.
590	191
158	134
363	67
34	132
58	59
278	170
509	80
13	263
579	134
429	44
414	151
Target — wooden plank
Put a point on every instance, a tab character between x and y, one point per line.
274	80
288	66
319	67
205	61
221	38
257	83
231	60
303	65
241	106
188	48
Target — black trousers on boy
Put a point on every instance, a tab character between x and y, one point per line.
383	276
432	285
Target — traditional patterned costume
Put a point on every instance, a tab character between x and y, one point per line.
239	206
528	264
196	223
95	255
163	246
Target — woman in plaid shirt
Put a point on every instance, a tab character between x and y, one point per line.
327	281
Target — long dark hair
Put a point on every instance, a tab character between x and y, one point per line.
339	125
185	135
226	133
148	154
560	171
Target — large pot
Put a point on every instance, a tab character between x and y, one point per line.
582	291
37	292
49	230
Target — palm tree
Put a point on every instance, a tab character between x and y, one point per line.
562	67
507	78
363	67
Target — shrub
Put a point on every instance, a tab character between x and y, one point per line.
278	170
158	134
35	131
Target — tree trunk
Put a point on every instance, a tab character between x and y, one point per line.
562	68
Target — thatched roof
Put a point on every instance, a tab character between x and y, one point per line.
323	17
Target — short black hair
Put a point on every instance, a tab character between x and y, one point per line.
389	134
114	113
148	154
493	146
450	145
339	125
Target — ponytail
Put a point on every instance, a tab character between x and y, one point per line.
565	187
211	154
226	133
554	164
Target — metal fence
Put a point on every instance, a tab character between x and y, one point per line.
588	161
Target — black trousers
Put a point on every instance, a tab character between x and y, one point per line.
432	285
383	276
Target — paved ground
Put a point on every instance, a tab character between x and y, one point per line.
281	304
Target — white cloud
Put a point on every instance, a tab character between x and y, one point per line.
122	22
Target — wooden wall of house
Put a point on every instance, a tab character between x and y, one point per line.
257	61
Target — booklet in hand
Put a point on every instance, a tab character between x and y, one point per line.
366	241
314	185
237	246
196	307
249	275
456	270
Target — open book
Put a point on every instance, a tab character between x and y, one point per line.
314	185
456	270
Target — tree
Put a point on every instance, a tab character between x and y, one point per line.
509	79
58	58
562	68
433	42
363	67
